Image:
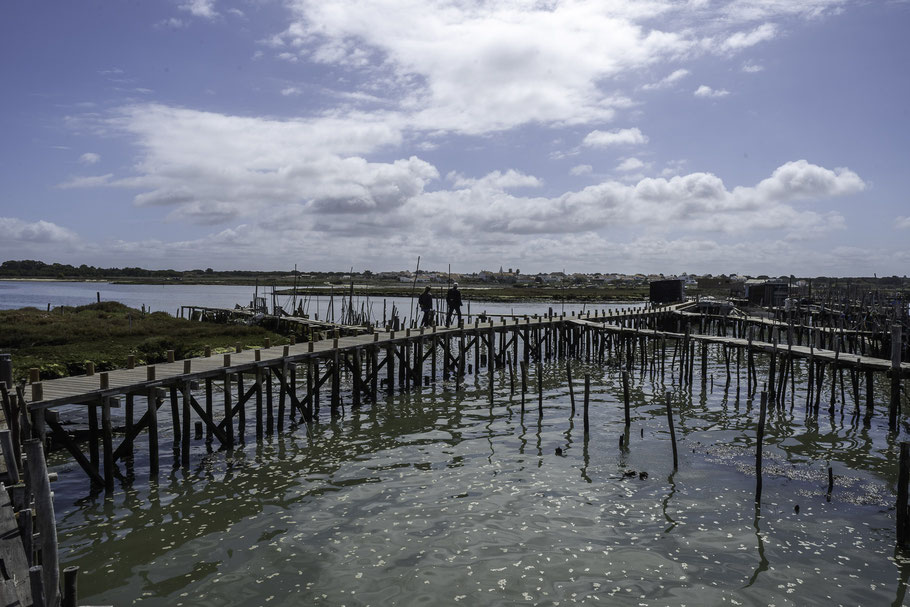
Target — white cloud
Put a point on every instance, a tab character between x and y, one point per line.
39	232
630	164
602	139
902	223
668	81
291	90
706	91
90	158
581	169
488	66
212	168
741	40
200	8
497	180
92	181
752	68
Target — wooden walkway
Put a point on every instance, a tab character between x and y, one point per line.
90	388
828	356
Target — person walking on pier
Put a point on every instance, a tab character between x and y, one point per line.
453	299
425	301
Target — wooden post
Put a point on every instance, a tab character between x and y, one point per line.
241	411
228	422
895	376
185	441
903	480
208	409
625	397
47	528
259	428
9	456
36	581
758	446
107	440
586	401
152	408
94	456
571	388
70	594
672	432
269	403
540	389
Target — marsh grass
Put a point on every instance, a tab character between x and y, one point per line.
60	342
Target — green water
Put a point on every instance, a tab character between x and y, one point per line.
439	498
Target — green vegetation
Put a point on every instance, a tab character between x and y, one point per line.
60	342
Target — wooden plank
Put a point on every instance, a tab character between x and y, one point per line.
12	555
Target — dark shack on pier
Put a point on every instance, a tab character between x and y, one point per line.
667	291
768	293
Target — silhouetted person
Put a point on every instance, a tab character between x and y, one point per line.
425	301
453	299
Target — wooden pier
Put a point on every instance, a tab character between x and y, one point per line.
279	383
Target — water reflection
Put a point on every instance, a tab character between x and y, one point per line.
429	494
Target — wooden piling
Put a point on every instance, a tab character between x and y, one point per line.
571	388
625	397
152	411
46	524
586	401
895	376
672	431
759	440
903	481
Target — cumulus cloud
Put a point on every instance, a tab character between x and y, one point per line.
752	68
602	139
38	232
902	223
212	168
706	91
89	158
291	90
487	66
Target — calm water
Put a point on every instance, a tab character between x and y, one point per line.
439	498
169	298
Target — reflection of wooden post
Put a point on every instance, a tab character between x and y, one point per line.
758	446
571	388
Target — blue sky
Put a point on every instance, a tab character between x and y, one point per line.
721	136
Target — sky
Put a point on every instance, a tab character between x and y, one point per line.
657	136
